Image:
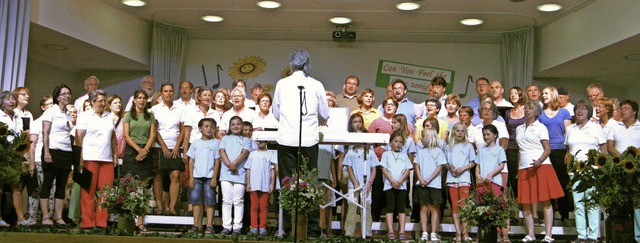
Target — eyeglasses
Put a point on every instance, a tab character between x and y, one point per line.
65	94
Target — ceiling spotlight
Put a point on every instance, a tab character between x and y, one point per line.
340	20
633	57
407	6
212	18
550	7
471	22
134	3
269	4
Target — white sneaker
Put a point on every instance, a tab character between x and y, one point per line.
434	237
425	236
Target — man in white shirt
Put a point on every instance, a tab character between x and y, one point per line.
148	85
241	84
563	100
497	95
256	91
90	84
185	100
595	92
286	108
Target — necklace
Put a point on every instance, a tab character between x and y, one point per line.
396	158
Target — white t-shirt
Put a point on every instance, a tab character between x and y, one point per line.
192	116
260	164
625	137
478	139
79	103
590	136
36	129
488	159
268	121
246	114
608	127
60	128
24	114
169	120
429	159
286	108
204	154
186	105
96	144
529	140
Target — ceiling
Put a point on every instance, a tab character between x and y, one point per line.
374	20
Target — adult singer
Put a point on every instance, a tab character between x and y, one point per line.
286	108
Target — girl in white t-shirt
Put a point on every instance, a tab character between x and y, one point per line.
490	160
461	158
396	167
428	168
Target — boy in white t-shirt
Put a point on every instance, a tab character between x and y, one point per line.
203	155
260	183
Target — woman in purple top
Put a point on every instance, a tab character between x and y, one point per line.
514	117
556	120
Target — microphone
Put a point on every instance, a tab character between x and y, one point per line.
301	87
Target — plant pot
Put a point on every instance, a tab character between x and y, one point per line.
487	234
619	226
301	227
126	226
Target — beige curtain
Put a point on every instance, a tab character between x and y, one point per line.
517	58
168	45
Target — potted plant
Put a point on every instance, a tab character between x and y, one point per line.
128	197
13	146
487	211
308	192
616	187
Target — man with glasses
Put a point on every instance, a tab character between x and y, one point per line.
482	87
405	106
90	84
148	84
595	92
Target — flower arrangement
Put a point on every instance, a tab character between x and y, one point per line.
615	179
128	197
483	209
309	190
13	146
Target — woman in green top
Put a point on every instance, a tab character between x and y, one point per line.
139	133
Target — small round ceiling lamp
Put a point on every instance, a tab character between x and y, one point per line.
550	7
407	6
340	20
269	4
134	3
212	18
471	22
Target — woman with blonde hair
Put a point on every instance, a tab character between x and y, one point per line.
366	100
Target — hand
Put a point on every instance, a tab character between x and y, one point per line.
395	184
143	152
139	157
175	152
248	187
479	181
232	167
213	183
32	168
355	186
271	188
535	163
115	161
185	158
423	183
488	179
369	185
166	152
47	157
333	184
192	183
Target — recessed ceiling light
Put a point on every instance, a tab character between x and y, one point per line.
340	20
407	6
471	21
212	18
269	4
633	57
54	47
134	3
550	7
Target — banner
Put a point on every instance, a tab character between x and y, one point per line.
416	77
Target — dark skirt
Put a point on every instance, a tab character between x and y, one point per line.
143	168
167	163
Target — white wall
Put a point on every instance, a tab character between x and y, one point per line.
98	24
331	62
595	26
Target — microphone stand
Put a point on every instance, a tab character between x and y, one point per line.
295	232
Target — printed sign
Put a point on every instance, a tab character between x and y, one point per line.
416	77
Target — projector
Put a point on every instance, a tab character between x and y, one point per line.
344	36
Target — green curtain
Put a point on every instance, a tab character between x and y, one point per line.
517	58
168	45
14	40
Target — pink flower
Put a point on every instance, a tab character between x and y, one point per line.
120	199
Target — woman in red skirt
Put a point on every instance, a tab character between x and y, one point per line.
537	181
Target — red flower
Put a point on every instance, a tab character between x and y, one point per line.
120	199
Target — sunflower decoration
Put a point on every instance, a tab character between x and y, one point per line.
267	88
581	166
22	147
601	160
629	166
286	72
630	152
4	130
568	160
616	160
247	67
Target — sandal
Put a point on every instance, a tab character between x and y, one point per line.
57	223
194	229
142	229
391	236
402	236
208	230
45	222
25	223
3	223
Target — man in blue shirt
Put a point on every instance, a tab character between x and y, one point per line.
482	87
405	106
